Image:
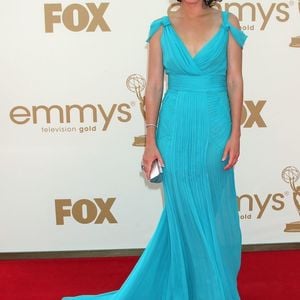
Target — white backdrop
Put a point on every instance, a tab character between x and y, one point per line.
70	174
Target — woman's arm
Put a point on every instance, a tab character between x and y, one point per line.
235	93
154	87
153	95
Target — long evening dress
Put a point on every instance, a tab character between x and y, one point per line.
195	251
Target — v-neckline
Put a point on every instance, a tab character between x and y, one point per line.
193	57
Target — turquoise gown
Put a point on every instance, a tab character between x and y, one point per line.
195	250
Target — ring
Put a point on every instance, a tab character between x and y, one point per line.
142	167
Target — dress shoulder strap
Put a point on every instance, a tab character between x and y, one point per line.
155	25
224	17
238	35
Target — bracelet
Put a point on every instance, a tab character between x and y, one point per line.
149	124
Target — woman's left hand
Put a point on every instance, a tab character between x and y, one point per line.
232	149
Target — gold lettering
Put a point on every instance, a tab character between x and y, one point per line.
262	206
107	118
13	114
265	14
98	19
91	211
124	112
266	17
60	211
285	14
278	198
250	201
81	114
240	9
68	17
255	114
47	110
105	212
50	19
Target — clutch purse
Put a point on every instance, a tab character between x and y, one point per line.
156	172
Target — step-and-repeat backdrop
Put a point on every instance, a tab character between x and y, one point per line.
73	77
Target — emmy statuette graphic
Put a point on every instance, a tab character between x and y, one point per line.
136	84
295	40
290	175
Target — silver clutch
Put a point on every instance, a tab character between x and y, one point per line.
156	172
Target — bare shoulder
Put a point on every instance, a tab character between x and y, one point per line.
216	15
234	20
175	16
214	12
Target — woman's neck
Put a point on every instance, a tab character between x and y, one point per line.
192	10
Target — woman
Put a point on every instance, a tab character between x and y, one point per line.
194	132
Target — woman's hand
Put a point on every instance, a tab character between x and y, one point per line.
150	154
232	149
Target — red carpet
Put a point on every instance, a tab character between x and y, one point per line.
264	275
